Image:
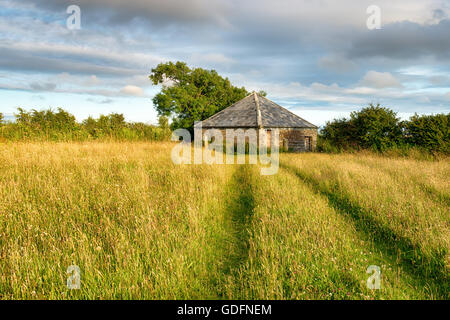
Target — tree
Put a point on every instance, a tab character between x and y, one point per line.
340	132
376	127
1	118
23	117
163	122
90	124
190	95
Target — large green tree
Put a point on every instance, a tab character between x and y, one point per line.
190	95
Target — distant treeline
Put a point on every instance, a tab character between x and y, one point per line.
378	129
373	128
60	125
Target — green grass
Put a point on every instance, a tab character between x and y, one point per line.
140	227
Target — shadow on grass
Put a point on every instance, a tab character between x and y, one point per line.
426	270
238	214
239	206
434	194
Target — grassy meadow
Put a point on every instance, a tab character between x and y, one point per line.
141	227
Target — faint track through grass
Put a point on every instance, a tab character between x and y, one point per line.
423	268
238	213
240	209
140	227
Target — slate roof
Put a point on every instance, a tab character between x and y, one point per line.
255	111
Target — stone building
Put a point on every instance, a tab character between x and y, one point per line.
258	112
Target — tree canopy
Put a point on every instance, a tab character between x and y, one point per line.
192	94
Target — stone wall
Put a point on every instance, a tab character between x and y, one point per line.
299	140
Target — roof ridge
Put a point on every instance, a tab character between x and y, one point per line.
258	110
248	112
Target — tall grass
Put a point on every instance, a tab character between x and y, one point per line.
134	223
398	206
303	248
140	227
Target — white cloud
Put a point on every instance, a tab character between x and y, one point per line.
92	81
132	91
362	90
380	80
324	88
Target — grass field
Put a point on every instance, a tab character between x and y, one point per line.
140	227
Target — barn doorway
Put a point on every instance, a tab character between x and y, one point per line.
269	138
307	143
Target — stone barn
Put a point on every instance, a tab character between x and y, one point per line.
258	112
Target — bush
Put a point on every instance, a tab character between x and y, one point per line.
373	128
324	145
338	134
62	126
378	129
430	132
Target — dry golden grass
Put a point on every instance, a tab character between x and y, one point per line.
133	221
140	227
402	205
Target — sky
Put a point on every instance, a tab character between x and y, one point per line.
317	58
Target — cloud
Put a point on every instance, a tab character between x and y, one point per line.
158	12
132	91
104	101
380	80
315	54
439	14
76	87
439	80
92	81
212	58
337	63
46	57
43	86
424	99
404	40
